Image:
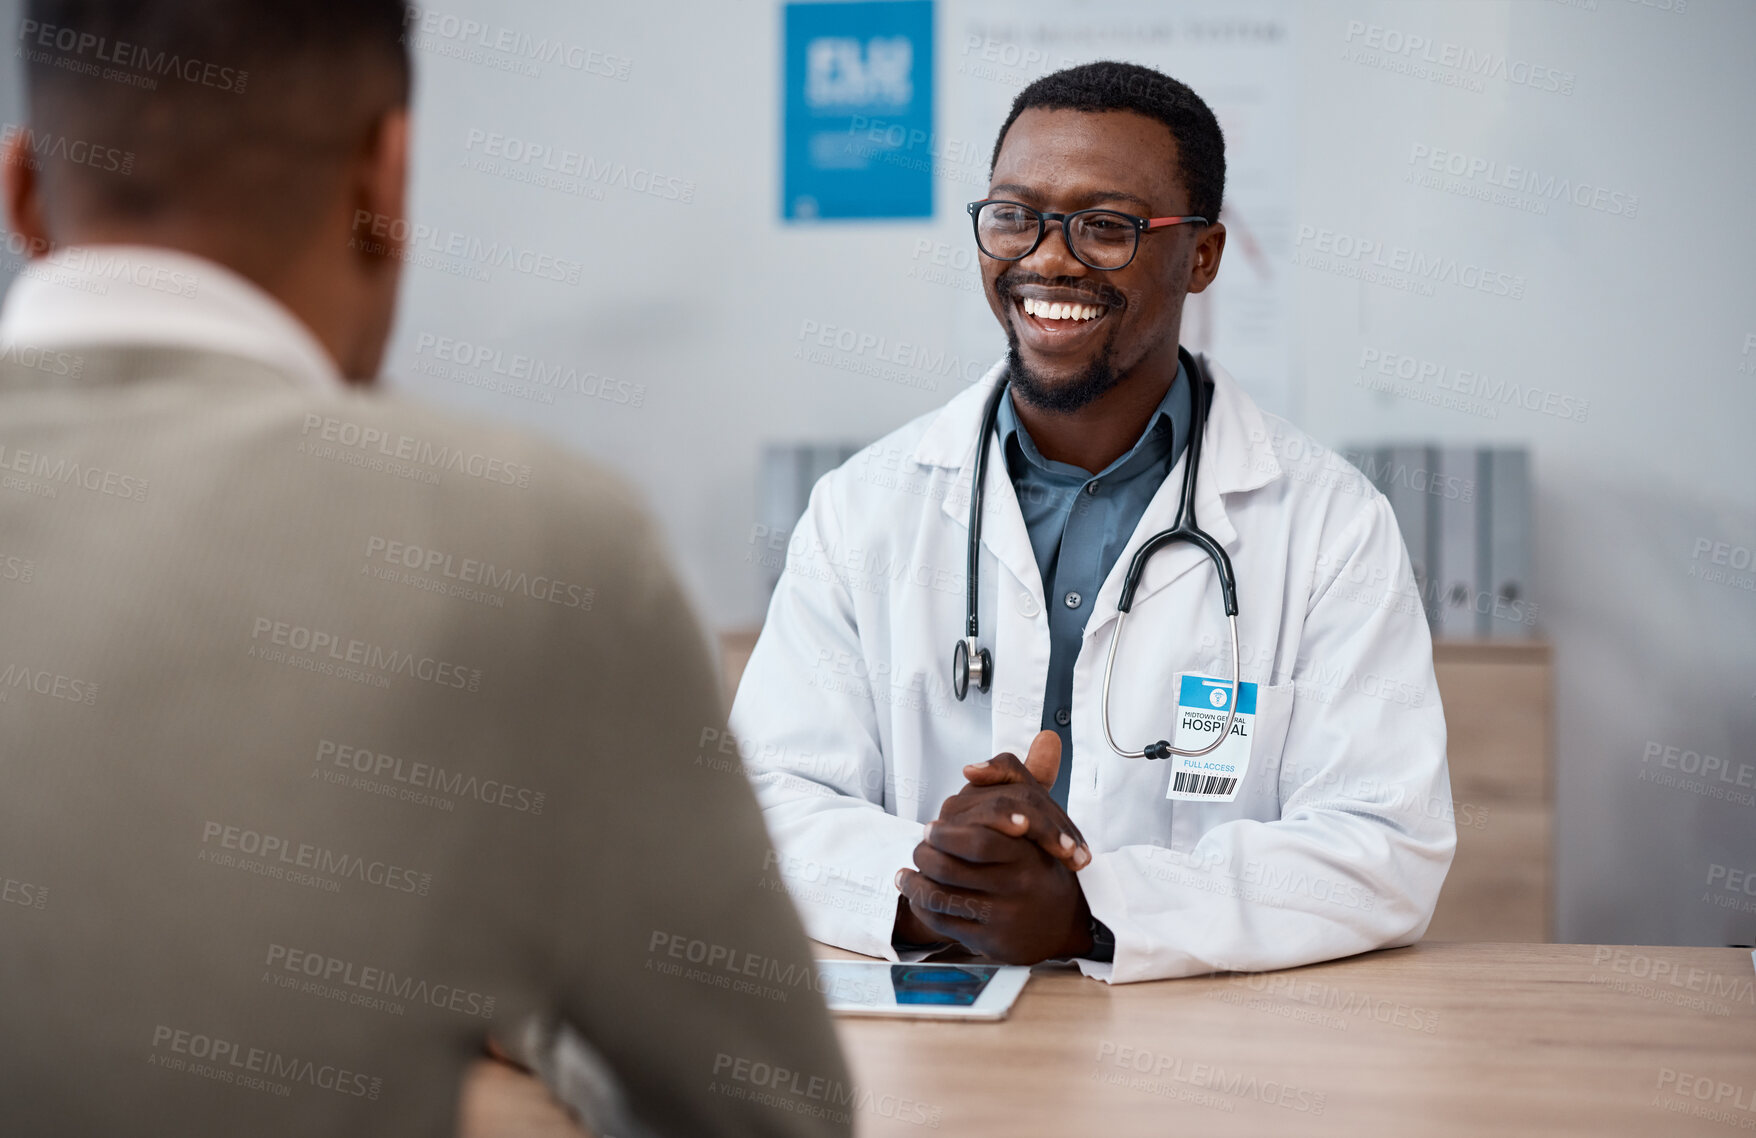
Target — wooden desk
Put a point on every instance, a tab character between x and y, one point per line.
1438	1039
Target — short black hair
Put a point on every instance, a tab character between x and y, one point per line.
238	107
1111	86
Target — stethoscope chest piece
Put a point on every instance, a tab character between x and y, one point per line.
970	663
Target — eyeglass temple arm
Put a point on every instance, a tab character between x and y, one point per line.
1161	222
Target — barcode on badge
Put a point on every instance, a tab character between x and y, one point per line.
1188	782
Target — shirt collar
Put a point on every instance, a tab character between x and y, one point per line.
145	296
1166	429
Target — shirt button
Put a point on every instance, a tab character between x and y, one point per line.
1026	606
1072	600
1091	487
1063	717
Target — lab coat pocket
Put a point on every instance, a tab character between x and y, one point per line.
1258	788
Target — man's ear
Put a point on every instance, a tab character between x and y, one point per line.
379	185
1209	247
24	203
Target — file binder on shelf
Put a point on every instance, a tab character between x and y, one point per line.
1457	576
1465	516
1409	477
783	488
1510	613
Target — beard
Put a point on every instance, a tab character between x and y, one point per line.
1063	396
1078	391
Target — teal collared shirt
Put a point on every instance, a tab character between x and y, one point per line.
1079	523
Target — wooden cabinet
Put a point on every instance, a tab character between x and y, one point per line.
1499	700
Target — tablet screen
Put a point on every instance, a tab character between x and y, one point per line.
858	983
957	987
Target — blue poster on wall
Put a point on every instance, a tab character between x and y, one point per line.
859	110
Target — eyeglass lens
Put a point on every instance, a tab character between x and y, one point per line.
1101	238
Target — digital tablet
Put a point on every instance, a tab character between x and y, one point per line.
920	991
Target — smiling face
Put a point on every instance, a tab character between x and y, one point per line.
1077	332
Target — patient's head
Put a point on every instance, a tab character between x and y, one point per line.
258	133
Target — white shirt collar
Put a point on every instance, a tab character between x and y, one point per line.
134	295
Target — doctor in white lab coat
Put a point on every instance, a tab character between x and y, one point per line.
1339	833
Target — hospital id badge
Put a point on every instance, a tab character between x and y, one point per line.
1202	703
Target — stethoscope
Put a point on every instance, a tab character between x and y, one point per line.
971	662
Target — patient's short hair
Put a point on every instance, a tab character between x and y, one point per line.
141	109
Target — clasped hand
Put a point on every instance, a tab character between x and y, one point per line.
996	870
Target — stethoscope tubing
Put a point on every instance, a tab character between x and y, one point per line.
968	656
1166	748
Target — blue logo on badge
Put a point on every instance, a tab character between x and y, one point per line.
1206	692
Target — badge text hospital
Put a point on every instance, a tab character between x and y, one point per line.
1201	716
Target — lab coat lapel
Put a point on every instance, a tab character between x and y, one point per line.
1235	456
1014	628
951	442
1018	629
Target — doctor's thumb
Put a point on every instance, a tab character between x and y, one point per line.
1044	759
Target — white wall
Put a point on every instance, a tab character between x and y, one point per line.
1647	317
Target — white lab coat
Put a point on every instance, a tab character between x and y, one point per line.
1342	830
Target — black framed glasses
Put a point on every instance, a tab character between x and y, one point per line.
1100	238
